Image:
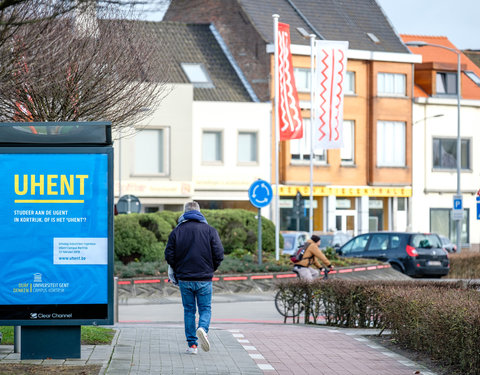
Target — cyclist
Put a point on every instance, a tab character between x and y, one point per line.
312	256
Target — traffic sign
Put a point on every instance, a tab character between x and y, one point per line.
478	207
457	211
260	193
128	204
457	202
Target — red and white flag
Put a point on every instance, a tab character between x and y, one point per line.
331	71
290	118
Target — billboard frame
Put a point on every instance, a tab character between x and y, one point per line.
45	145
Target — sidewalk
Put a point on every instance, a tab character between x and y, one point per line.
239	349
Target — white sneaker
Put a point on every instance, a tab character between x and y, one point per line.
192	349
202	336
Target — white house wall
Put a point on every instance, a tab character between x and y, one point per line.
174	112
434	188
230	180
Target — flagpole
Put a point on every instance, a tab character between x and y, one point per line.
312	101
276	88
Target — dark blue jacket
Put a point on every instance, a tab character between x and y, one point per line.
194	251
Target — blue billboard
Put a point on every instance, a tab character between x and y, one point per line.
54	244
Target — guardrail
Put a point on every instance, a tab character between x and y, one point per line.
158	287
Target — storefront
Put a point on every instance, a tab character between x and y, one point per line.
352	209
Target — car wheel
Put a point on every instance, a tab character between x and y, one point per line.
396	267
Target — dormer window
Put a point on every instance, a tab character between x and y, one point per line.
446	83
473	77
197	75
373	38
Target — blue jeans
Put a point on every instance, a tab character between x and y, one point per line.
196	293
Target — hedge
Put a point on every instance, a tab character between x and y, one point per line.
143	237
439	319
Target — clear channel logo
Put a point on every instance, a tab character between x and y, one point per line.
51	316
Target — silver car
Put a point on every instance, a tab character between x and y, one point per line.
292	240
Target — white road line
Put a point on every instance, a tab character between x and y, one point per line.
265	366
256	356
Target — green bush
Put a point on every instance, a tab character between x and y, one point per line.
133	242
238	229
139	269
143	237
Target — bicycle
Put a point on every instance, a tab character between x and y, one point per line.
289	303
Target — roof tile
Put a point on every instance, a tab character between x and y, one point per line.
178	43
349	20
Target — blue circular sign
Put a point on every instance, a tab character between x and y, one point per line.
260	193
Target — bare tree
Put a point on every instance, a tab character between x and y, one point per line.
88	65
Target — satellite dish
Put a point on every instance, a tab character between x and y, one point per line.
128	204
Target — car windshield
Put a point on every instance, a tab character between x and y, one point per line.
288	242
425	241
326	240
445	240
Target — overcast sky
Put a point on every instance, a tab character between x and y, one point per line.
458	20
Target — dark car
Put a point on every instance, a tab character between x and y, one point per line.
414	254
447	244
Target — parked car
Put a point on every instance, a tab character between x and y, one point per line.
414	254
332	239
447	244
292	240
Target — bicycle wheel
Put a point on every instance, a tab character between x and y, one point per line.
286	306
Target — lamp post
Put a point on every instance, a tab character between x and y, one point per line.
459	143
302	31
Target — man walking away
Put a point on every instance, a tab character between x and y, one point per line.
194	251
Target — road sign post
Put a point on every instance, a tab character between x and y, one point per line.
260	194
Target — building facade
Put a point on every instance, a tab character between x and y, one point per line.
367	185
435	115
204	141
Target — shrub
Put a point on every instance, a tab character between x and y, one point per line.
239	228
143	237
133	242
139	269
430	317
465	265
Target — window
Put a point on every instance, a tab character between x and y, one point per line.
347	152
300	148
151	151
302	79
197	74
373	38
390	144
442	223
212	147
473	77
445	153
446	83
391	84
378	242
350	83
247	147
356	245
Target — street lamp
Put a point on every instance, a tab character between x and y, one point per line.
459	73
306	35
